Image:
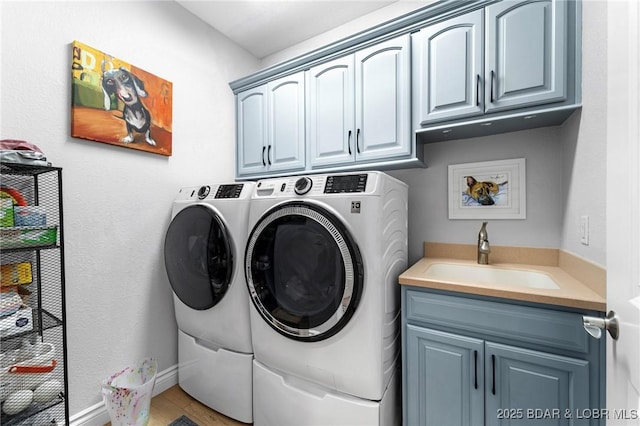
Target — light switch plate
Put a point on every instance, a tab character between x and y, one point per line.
584	230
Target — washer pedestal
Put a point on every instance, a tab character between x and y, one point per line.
218	378
287	400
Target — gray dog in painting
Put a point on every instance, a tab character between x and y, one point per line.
129	89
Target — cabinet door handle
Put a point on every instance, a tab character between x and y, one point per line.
475	369
493	374
493	77
349	141
477	89
264	163
358	140
269	155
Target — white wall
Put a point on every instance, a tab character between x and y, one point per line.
565	165
428	209
117	201
585	147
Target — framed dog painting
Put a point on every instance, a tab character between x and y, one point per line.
488	190
120	104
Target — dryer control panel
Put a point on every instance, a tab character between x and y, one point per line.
205	193
229	191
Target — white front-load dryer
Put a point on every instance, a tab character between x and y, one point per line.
204	251
322	263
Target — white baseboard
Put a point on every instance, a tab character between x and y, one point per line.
97	414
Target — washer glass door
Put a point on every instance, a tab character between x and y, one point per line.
304	271
198	256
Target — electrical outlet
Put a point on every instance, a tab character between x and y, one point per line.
584	230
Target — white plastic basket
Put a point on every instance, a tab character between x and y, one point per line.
28	373
127	394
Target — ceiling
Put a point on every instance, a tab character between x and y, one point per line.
266	27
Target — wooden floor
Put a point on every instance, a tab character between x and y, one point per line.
174	402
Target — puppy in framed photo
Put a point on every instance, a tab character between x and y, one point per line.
484	192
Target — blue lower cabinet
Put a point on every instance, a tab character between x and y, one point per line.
464	363
445	384
525	385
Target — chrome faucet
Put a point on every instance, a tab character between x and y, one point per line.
483	245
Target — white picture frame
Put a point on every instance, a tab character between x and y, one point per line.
488	190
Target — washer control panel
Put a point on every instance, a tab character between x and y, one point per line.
317	185
345	183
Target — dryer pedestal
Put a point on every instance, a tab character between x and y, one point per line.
282	399
219	378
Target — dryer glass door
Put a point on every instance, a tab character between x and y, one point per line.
304	271
198	255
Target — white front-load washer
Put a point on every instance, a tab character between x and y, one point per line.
322	262
204	252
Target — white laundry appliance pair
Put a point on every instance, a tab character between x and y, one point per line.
322	262
204	257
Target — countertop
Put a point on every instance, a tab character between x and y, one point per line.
572	292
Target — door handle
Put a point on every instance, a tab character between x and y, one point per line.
349	141
475	369
264	163
493	77
477	89
269	155
595	325
493	374
358	140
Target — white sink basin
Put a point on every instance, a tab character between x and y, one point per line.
486	274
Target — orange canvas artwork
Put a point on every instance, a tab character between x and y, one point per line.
117	103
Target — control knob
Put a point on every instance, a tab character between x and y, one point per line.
203	192
303	185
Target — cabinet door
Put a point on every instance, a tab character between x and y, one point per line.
383	100
444	376
251	130
523	381
525	53
286	141
448	69
330	111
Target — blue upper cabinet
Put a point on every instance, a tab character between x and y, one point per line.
251	130
383	100
331	112
449	69
512	65
286	141
270	127
526	58
359	106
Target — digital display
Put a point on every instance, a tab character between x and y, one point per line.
229	191
345	184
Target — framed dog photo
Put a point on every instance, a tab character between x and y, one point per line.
488	190
120	104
